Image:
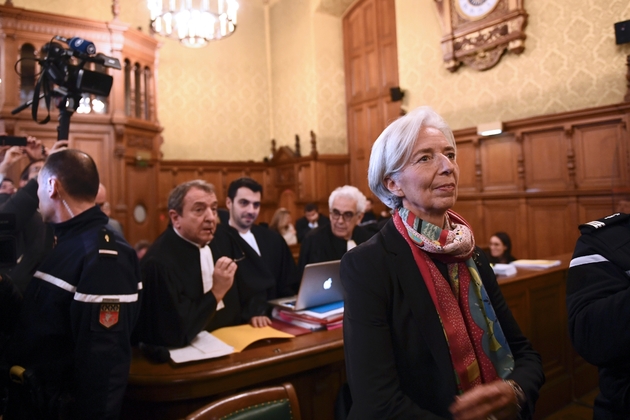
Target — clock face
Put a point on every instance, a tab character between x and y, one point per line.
475	9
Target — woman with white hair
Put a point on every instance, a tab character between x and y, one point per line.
427	333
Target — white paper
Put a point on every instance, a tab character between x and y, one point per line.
204	346
504	269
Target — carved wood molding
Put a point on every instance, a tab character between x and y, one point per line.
481	42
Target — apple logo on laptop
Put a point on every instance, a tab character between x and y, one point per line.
328	284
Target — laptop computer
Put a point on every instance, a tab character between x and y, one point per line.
320	285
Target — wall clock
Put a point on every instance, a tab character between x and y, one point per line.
477	33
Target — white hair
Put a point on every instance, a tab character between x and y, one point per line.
393	148
350	192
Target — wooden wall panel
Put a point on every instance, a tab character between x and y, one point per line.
593	208
369	31
552	225
506	216
549	337
601	156
499	163
467	167
364	126
546	160
142	190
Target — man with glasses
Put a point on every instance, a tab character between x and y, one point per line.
268	271
188	273
330	242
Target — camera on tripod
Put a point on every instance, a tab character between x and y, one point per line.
65	77
75	78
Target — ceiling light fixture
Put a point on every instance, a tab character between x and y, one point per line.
194	23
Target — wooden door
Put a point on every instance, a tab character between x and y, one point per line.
371	66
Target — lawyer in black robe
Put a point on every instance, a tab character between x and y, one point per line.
174	306
266	276
322	245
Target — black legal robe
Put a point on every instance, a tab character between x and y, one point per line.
174	307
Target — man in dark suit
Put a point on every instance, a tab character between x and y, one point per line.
312	219
268	267
329	242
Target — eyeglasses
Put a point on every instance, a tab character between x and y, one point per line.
242	257
347	216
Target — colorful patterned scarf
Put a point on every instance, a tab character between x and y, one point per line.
479	350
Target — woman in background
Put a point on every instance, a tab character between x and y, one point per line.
283	224
500	249
427	332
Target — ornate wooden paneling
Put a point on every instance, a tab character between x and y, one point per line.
467	167
592	208
552	226
499	163
365	123
119	143
371	64
545	160
299	180
601	159
544	176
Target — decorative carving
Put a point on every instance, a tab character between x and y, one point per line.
297	146
115	9
568	133
480	41
520	162
273	148
627	97
313	144
119	151
140	142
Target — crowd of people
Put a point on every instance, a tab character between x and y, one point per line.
419	291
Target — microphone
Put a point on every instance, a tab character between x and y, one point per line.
79	45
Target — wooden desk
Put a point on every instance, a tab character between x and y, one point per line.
313	363
537	300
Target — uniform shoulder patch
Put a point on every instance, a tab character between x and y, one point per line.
606	221
107	244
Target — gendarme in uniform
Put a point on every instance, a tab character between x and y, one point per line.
73	332
598	303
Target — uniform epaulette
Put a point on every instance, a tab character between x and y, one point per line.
107	244
606	221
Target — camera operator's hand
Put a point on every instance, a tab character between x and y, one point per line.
59	145
34	149
12	155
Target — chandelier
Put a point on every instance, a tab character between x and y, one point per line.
193	22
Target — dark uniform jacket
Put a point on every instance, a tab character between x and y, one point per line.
598	304
73	332
397	358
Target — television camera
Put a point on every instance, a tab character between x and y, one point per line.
65	79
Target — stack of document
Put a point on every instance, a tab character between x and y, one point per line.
536	264
224	341
504	269
329	316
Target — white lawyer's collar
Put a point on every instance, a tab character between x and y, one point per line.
187	240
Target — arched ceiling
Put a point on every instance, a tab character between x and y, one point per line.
333	7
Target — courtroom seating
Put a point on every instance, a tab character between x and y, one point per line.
271	403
